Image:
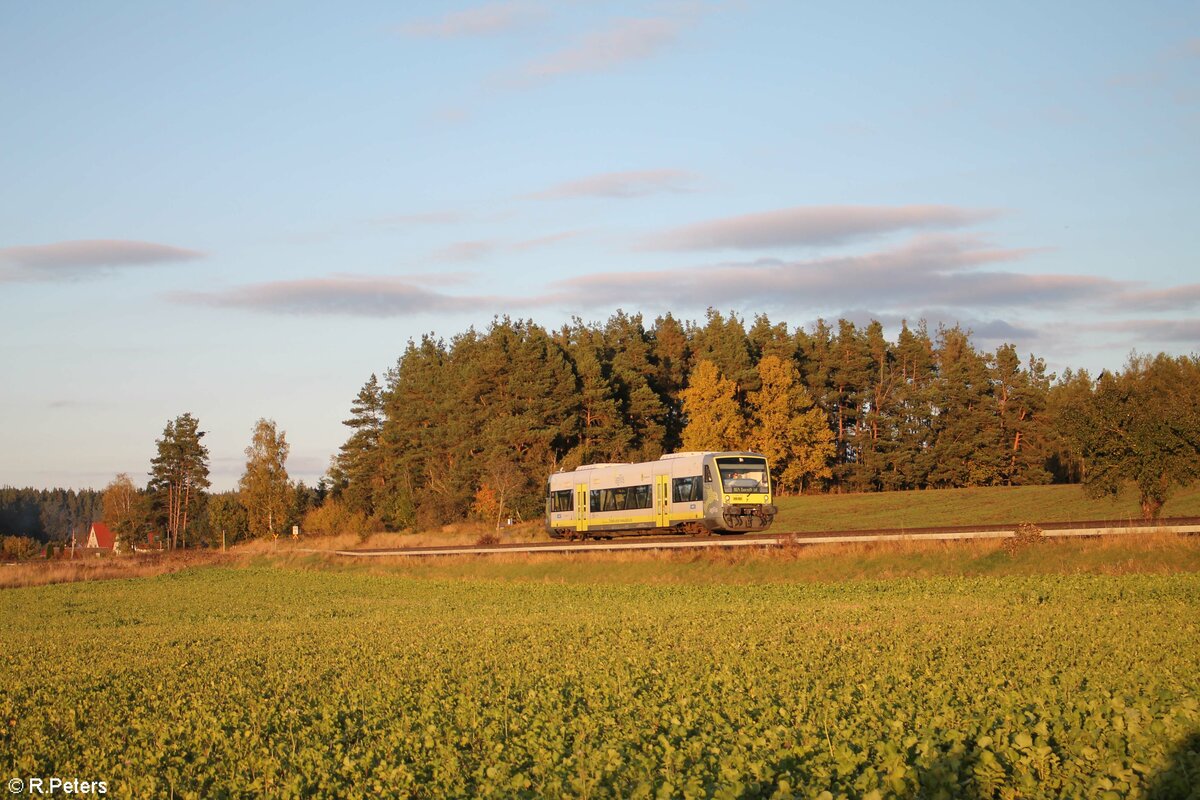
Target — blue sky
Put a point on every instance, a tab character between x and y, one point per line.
243	210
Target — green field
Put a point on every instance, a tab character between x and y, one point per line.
981	506
313	681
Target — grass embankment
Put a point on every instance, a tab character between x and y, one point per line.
980	506
1153	554
304	683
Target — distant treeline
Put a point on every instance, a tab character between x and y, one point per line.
480	421
48	514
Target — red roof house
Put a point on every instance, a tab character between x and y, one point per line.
100	536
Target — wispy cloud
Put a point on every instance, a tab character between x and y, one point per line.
481	20
77	259
988	329
622	185
812	225
944	277
347	295
1177	298
482	248
942	270
1137	332
622	41
464	251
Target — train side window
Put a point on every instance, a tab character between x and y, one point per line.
707	474
687	490
640	497
562	501
594	504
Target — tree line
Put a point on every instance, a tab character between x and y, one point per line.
473	426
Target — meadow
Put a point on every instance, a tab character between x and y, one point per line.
714	676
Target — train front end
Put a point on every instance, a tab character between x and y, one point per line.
741	493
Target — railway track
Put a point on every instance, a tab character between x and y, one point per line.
1179	525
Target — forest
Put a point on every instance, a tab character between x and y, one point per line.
472	427
477	423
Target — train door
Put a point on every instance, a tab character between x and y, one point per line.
581	507
662	501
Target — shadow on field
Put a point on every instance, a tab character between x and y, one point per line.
1181	778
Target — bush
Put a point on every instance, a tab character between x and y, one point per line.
17	548
334	518
1025	536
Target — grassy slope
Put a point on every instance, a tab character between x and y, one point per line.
1158	554
965	507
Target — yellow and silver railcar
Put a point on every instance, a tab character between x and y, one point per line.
727	492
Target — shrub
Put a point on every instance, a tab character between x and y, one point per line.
1025	536
334	518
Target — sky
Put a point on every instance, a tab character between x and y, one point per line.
243	210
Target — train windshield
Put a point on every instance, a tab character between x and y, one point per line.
744	474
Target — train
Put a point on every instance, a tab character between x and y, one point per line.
694	492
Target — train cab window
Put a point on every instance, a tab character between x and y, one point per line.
744	474
687	490
707	474
562	501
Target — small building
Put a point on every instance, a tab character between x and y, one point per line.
100	537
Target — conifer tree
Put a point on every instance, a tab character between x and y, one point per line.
767	339
419	456
633	374
1020	396
604	434
723	341
264	489
965	449
907	459
787	428
714	417
671	352
849	376
179	475
358	462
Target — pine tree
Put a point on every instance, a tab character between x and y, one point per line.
604	435
672	353
179	476
1020	396
633	375
850	378
419	456
965	447
907	458
723	341
787	428
264	489
767	339
359	461
714	417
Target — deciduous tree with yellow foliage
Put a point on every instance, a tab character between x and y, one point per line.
714	417
788	428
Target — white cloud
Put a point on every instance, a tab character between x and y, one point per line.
637	183
77	259
812	225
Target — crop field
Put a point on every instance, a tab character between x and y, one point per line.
311	681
